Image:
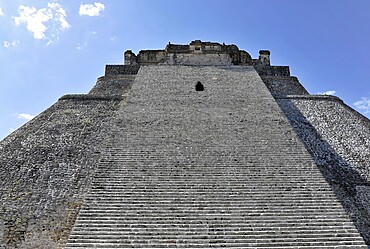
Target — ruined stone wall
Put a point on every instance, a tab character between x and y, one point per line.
338	139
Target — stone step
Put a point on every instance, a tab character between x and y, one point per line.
232	244
199	189
199	213
84	246
123	169
229	207
267	160
263	182
239	185
223	227
216	220
277	198
219	240
226	216
258	203
210	194
285	207
212	230
258	180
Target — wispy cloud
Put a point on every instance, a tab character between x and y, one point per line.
59	15
38	21
25	116
1	12
363	104
330	92
91	9
8	44
88	36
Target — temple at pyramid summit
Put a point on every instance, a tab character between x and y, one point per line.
190	146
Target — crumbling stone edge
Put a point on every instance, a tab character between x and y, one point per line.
91	97
312	97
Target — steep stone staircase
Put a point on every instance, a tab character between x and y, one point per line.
208	169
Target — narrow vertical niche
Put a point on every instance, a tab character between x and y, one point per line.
199	87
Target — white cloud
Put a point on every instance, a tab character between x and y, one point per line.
1	12
25	116
34	19
59	15
331	92
8	44
37	20
363	105
91	9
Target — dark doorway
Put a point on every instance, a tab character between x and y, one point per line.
199	86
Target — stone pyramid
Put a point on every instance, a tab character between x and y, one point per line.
193	146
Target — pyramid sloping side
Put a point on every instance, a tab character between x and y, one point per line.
45	170
221	167
339	140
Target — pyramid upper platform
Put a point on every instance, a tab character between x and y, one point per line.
196	53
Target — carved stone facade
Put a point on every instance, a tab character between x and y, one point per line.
196	53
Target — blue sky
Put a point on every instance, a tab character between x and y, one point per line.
49	48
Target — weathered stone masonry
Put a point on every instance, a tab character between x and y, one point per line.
253	161
46	166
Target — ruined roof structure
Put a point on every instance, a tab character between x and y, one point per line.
192	146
